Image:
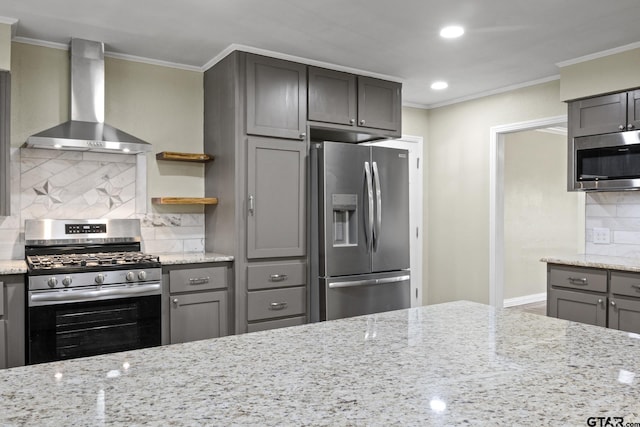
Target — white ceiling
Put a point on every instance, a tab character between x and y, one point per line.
507	42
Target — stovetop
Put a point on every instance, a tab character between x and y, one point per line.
81	262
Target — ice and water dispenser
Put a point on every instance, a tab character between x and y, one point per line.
345	225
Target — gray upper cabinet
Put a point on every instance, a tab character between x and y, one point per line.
379	104
276	97
276	198
332	96
5	138
605	114
364	103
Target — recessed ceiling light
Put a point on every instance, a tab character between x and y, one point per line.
439	85
452	32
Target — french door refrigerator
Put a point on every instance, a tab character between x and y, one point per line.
360	230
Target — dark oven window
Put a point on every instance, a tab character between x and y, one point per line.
619	162
66	331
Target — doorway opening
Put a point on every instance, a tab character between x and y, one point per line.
498	137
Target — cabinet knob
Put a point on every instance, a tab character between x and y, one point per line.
613	303
303	135
629	126
175	301
362	122
600	301
352	121
621	127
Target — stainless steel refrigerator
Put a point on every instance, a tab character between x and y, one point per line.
360	230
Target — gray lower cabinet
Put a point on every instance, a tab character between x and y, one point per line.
277	295
364	103
276	198
12	321
276	97
605	114
198	306
601	297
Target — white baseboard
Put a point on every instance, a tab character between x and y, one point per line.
527	299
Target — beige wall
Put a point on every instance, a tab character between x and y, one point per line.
5	47
458	186
540	216
608	74
161	105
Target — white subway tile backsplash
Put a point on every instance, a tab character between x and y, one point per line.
620	212
601	210
628	211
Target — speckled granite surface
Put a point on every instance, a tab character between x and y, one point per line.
190	258
597	261
13	266
450	364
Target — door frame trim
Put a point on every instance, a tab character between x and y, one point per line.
496	199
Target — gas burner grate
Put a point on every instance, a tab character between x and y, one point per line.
61	261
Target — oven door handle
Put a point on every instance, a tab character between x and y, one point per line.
60	297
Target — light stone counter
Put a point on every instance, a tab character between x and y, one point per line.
13	266
192	258
597	261
458	363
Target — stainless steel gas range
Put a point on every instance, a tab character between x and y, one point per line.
90	289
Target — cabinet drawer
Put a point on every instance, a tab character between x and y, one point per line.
197	279
625	284
280	275
275	324
589	279
276	303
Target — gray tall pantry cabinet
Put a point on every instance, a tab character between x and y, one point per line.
255	121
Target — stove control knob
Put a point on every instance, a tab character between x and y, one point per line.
130	276
142	275
100	278
52	282
67	281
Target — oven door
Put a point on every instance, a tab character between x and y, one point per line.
61	329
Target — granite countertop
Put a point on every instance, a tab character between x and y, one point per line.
13	266
192	258
597	261
457	363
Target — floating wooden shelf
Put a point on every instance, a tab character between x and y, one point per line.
184	157
184	200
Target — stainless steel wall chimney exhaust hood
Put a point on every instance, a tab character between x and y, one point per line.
86	131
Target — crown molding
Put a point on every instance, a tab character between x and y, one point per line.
598	55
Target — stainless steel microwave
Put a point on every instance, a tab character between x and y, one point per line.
609	162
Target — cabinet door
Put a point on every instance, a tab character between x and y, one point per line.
379	104
624	314
276	97
332	96
5	136
578	307
276	198
602	114
12	317
633	110
198	316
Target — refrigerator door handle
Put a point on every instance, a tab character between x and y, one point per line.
376	233
383	281
369	228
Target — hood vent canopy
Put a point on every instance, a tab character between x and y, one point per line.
86	131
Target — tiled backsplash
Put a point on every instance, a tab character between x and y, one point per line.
619	213
84	185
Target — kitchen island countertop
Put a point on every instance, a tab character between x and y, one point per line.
457	363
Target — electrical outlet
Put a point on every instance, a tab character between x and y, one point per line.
601	236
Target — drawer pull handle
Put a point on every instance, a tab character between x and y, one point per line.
278	277
277	306
199	281
578	280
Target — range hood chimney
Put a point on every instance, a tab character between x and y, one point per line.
86	131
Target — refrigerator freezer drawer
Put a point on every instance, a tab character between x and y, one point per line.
360	295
